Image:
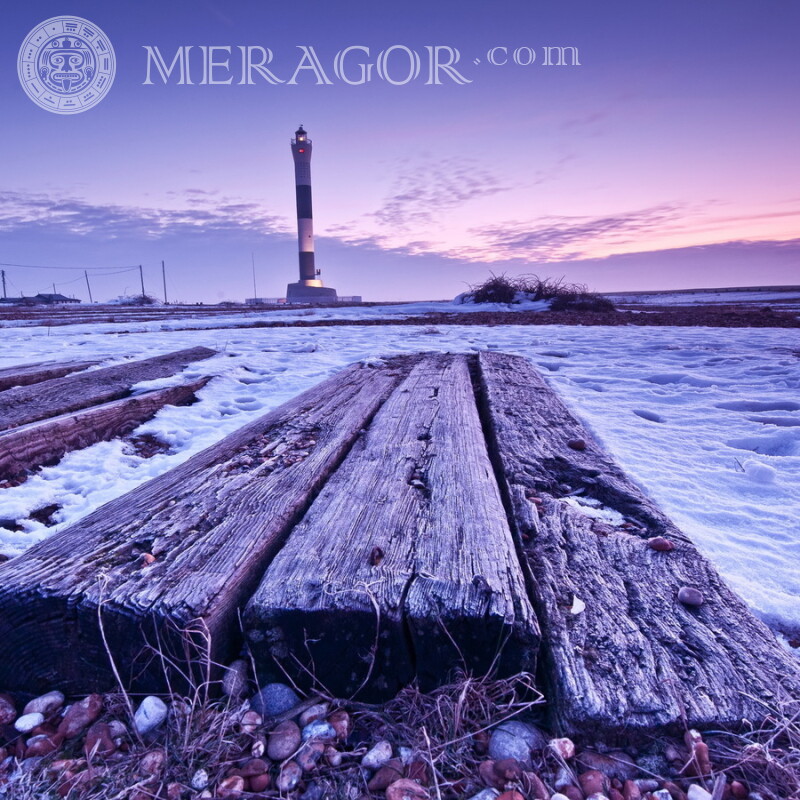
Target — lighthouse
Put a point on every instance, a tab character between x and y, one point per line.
309	288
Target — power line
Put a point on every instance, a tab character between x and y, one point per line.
74	269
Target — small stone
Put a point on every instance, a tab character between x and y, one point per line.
8	711
99	741
313	713
593	782
558	796
319	729
488	775
289	776
47	704
661	794
509	769
283	741
274	699
516	739
309	754
406	789
513	794
250	721
418	771
38	746
597	796
486	794
676	793
117	729
377	756
534	786
660	544
564	777
27	722
739	790
151	713
255	766
152	762
340	721
577	444
390	772
234	680
332	756
259	747
231	788
314	791
630	791
174	791
260	783
200	780
698	793
564	748
647	784
690	596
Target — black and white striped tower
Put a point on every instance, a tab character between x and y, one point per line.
309	288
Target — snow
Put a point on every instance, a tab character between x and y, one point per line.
777	297
706	420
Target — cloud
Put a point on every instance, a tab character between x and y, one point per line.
563	238
429	189
20	211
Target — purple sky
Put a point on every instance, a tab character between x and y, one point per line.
667	159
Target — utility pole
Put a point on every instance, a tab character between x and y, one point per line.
54	289
141	278
3	273
86	274
164	279
253	259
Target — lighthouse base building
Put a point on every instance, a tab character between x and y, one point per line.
309	288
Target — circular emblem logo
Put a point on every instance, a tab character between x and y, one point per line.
66	65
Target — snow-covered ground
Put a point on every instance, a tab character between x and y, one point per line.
706	420
786	298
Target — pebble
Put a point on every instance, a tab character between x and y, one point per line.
250	721
274	699
564	777
377	756
283	741
406	789
80	716
152	762
486	794
660	544
512	794
8	711
309	754
516	739
390	772
319	729
255	766
200	780
289	776
47	704
234	680
333	756
593	782
577	444
38	746
99	741
698	793
661	794
565	748
647	784
27	722
260	783
340	720
558	796
313	713
690	596
231	788
630	791
151	713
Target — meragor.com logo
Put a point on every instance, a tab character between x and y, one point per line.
66	65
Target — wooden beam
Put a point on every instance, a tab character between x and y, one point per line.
404	566
24	404
30	446
634	658
184	550
26	374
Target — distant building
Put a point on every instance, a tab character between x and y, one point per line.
39	300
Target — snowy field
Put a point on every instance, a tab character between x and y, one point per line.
779	298
707	421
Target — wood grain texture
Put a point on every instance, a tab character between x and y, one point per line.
24	404
30	446
212	524
26	374
635	659
404	566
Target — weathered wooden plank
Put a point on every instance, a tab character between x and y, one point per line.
211	524
24	404
635	658
26	374
29	446
405	564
